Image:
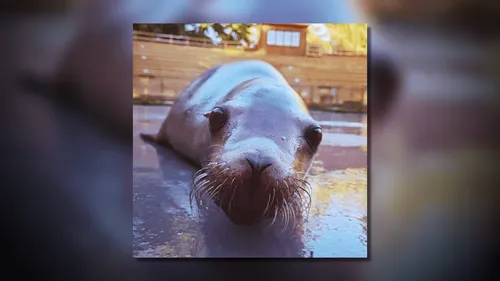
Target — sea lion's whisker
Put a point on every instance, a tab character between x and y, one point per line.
214	145
213	190
274	195
231	200
199	193
283	203
199	177
232	189
293	214
275	215
223	182
305	190
202	183
267	206
286	184
212	164
214	193
205	196
197	173
288	219
282	213
211	160
267	187
286	214
304	185
294	191
220	185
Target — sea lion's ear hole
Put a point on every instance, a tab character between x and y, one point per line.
313	136
217	119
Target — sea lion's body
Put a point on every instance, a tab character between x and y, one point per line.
259	145
185	128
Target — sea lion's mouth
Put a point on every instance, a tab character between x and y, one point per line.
246	201
243	216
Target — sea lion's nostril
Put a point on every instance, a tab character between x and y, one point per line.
258	163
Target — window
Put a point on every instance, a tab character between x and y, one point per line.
283	38
288	39
295	39
271	37
279	38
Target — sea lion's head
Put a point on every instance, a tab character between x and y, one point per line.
262	138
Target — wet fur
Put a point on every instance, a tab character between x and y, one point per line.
291	196
292	193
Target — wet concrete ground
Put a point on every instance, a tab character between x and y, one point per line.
164	226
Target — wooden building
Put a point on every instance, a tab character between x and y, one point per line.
284	39
333	82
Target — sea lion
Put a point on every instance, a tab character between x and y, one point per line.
253	137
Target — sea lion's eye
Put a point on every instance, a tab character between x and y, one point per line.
217	119
314	136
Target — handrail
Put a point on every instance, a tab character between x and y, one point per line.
185	40
311	49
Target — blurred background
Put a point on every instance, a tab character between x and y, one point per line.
433	106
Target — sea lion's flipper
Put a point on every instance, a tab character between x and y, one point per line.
153	138
149	137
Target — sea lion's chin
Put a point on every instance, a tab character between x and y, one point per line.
243	216
247	204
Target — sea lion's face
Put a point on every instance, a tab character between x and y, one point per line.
261	143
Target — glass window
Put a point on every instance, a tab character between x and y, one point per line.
283	38
287	41
279	38
271	37
295	39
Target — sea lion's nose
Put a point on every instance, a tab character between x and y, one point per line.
258	163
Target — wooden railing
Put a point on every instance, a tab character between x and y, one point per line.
313	50
186	40
162	71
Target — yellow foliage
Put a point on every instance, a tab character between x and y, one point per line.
351	37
